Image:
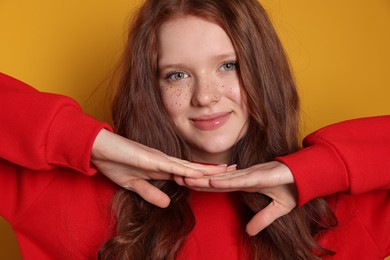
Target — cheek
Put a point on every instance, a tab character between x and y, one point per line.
175	99
234	93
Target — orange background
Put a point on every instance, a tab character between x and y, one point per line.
339	51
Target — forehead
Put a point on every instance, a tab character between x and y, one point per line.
192	34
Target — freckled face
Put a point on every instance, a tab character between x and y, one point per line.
200	87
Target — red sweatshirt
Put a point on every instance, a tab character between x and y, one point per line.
59	207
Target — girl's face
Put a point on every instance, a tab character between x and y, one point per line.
198	77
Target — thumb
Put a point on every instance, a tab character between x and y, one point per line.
265	217
149	192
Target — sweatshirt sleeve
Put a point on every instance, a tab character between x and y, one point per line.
351	156
41	131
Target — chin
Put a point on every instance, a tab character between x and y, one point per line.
215	151
212	148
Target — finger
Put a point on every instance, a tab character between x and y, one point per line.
205	183
128	171
244	179
149	192
231	168
206	169
265	217
235	180
202	185
210	189
180	170
149	159
197	183
179	180
229	174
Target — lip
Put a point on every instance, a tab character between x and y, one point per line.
211	122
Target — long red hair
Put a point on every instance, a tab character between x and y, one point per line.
273	105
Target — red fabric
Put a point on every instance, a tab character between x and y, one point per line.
351	156
60	209
56	210
219	232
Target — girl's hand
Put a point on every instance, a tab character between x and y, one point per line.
273	179
130	165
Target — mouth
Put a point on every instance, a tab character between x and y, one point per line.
211	121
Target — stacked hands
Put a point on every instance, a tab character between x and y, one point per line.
130	165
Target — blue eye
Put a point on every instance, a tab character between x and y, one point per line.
177	75
231	65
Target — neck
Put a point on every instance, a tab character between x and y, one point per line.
211	158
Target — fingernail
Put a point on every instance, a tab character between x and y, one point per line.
222	165
232	166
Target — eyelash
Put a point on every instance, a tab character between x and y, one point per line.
185	75
172	73
234	63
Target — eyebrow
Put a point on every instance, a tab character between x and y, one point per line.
223	56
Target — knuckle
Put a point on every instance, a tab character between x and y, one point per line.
131	184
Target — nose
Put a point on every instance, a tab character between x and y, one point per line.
205	93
